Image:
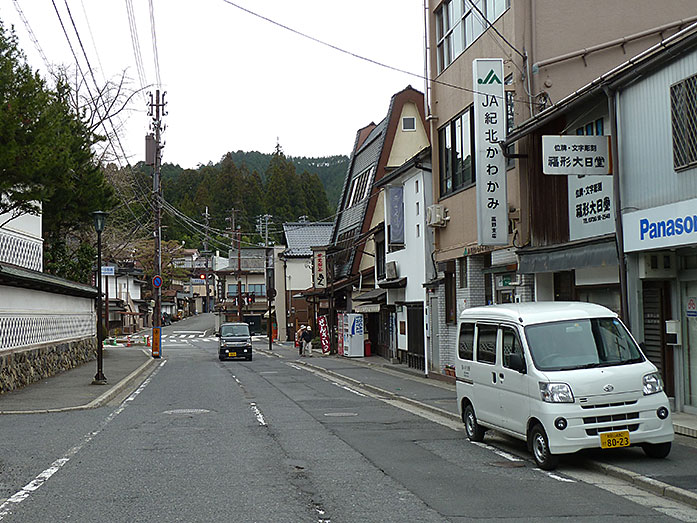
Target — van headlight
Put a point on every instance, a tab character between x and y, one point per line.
652	383
556	393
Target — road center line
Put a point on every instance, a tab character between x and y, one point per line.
36	483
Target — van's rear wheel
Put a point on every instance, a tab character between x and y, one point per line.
656	450
539	445
475	432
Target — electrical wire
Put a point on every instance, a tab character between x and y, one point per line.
350	53
154	43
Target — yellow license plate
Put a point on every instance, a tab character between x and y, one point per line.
232	354
613	440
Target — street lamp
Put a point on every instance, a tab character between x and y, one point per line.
99	220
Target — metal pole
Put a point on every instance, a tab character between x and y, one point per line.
99	378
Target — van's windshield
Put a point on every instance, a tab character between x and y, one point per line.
234	330
581	344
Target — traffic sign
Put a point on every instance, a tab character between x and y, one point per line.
157	281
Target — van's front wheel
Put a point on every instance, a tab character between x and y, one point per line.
539	445
656	450
474	431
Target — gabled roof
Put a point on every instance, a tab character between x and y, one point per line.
369	152
302	236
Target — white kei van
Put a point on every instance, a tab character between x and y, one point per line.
562	376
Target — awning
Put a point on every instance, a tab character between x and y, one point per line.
393	284
567	257
374	295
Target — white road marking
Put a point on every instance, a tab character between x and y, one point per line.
348	389
258	414
36	483
504	455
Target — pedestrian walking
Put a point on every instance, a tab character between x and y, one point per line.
307	342
299	340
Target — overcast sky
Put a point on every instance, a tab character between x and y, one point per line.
235	81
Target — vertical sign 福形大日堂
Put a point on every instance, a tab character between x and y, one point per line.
489	130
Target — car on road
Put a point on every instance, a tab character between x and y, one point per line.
563	376
235	341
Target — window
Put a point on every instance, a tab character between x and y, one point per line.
462	280
416	188
418	231
683	114
596	128
360	187
465	343
486	343
511	345
380	259
455	143
450	293
417	208
408	123
460	22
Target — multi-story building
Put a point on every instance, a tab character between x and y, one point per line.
550	49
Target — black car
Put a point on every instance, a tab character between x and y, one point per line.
235	341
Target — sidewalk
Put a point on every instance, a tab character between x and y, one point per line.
73	389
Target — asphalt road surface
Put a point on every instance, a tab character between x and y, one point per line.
272	440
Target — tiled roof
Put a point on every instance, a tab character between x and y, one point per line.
302	236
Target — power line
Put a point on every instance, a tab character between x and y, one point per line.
154	43
352	54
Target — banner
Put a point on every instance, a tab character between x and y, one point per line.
395	197
489	130
324	334
320	268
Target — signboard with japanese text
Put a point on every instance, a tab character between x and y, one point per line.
320	269
576	154
108	270
156	342
324	334
489	130
591	208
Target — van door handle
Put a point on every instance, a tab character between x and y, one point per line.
493	377
501	376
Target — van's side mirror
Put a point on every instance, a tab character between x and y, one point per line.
517	363
217	334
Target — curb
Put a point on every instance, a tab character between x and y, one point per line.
646	483
98	402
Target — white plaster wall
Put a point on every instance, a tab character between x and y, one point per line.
18	300
298	276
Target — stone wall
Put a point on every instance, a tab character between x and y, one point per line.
24	366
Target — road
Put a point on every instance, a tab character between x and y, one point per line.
274	440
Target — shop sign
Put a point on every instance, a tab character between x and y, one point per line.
320	269
489	130
669	225
507	280
691	308
591	209
574	154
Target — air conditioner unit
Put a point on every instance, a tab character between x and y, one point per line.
436	216
391	270
658	264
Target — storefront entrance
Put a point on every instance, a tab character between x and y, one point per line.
657	310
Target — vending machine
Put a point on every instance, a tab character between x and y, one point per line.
353	331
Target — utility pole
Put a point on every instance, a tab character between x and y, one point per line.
236	233
153	152
263	225
206	253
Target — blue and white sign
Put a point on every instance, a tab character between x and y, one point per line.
108	270
669	225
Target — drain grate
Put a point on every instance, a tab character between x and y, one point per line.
340	414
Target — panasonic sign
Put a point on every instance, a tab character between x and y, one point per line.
670	225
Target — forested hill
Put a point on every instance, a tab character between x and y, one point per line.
331	170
